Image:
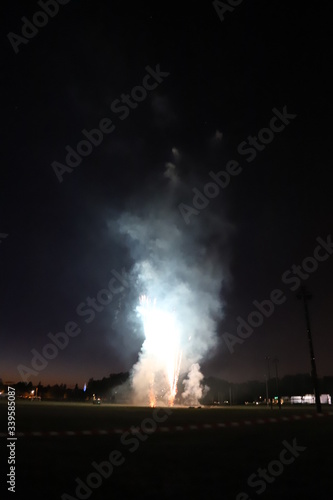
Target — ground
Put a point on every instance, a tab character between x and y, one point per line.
179	456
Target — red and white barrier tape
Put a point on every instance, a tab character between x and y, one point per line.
172	428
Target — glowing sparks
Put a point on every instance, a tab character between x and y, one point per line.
162	346
152	399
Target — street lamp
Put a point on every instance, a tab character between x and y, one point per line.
269	377
276	361
266	389
305	296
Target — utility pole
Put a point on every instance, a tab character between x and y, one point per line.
269	378
276	361
266	377
305	296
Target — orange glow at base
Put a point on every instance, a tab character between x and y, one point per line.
171	400
152	399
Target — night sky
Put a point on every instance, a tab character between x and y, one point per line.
213	88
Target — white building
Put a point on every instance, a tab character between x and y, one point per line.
310	399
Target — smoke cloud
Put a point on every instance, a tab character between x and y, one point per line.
182	269
193	385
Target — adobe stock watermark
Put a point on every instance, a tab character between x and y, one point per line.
60	340
130	441
224	7
293	277
29	29
249	148
275	468
122	107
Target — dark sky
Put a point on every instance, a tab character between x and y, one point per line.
222	80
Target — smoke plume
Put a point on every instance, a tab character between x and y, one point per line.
180	267
194	388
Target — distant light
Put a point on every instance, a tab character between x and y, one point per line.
85	387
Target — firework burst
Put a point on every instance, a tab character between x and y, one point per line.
162	348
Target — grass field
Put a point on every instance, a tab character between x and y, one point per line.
212	463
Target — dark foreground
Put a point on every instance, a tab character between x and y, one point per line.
163	458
